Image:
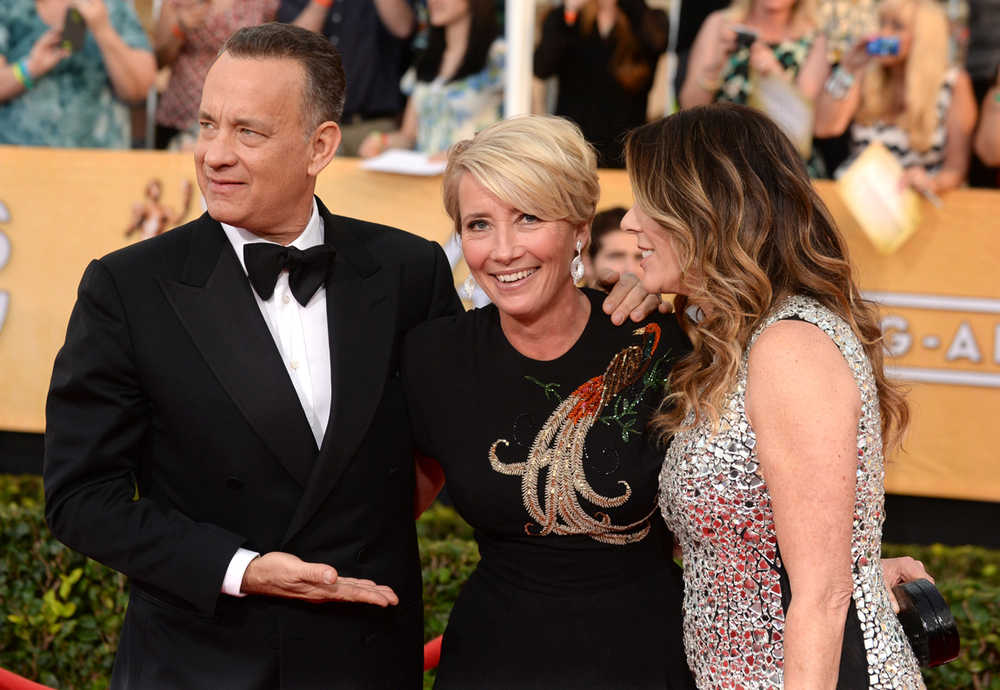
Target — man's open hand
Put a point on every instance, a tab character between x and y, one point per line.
278	574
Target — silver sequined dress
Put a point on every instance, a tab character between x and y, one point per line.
735	586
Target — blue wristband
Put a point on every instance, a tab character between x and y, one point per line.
22	74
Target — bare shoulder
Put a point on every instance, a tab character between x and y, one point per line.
795	366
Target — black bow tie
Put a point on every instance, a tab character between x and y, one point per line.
307	270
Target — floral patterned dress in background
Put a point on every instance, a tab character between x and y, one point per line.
450	111
74	105
736	83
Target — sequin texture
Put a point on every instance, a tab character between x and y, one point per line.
717	504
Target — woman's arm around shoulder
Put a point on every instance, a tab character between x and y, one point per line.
804	406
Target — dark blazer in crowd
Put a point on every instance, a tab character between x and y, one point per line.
175	436
374	59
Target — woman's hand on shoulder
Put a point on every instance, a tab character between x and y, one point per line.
628	299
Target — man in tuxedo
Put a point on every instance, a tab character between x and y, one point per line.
225	423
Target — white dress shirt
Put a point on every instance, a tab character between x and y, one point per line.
302	337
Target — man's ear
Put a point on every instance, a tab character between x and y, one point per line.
325	141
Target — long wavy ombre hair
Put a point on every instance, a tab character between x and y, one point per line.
925	70
749	230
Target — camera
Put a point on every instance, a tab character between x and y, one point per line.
883	46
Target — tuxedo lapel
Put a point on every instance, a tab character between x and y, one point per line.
214	302
361	313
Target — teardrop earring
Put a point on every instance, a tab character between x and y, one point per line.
576	265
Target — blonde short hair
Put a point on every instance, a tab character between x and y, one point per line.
539	164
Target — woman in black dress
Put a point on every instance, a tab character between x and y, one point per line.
604	53
536	408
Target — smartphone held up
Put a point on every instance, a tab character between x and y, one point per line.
74	30
745	36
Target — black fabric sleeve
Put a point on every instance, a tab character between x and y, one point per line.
420	354
416	358
97	422
444	300
557	36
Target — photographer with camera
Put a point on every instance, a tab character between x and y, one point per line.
67	67
757	39
897	88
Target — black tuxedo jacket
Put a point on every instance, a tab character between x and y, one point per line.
174	436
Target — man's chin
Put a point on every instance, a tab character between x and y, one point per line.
224	213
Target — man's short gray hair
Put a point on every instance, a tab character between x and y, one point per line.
325	84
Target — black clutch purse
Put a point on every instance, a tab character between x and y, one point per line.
927	622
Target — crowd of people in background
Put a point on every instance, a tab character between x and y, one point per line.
423	74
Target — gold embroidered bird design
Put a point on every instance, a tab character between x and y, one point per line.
558	450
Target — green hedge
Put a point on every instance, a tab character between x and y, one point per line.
61	612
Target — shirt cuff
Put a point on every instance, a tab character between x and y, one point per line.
233	580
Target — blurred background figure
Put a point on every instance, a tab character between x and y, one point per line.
982	61
987	143
777	38
692	16
908	97
456	87
604	53
187	38
373	39
610	248
151	217
54	96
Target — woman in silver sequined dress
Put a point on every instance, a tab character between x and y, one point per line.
773	483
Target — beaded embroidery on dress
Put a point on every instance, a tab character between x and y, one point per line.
719	507
556	458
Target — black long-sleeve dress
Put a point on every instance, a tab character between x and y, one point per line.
549	462
589	92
